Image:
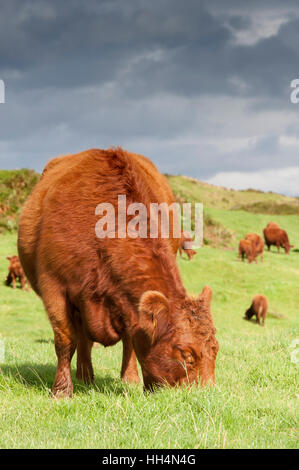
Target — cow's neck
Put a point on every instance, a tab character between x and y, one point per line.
158	271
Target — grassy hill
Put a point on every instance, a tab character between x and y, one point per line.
255	402
230	214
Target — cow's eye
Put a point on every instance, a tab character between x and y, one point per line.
188	358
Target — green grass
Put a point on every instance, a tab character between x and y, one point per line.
255	403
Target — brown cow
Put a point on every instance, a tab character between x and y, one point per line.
277	237
15	271
185	245
246	248
110	289
259	307
273	224
257	242
190	253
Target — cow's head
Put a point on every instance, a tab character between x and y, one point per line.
176	342
248	314
191	253
286	245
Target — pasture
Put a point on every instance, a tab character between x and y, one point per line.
254	404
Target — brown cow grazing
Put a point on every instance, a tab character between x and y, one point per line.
247	249
15	271
273	224
185	245
109	289
190	253
277	237
257	242
259	307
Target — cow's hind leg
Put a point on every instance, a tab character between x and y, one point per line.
258	315
264	317
129	371
59	313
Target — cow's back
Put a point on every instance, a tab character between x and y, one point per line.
31	216
59	216
259	302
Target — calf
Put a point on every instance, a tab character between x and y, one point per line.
247	249
15	271
257	243
258	307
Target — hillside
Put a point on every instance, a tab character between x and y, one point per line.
230	214
222	207
219	197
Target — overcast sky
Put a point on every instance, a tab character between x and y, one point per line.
202	88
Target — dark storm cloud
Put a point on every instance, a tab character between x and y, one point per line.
72	43
139	74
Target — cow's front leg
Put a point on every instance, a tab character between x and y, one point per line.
129	371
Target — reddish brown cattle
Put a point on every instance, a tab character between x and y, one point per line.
110	289
273	224
257	242
185	245
15	271
277	237
190	253
247	249
259	307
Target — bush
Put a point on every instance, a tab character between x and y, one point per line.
15	186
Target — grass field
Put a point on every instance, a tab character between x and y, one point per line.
255	403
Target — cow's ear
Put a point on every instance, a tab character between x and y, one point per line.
153	307
206	296
8	257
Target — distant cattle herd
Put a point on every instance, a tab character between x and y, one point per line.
109	290
253	244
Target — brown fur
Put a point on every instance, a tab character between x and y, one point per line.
106	290
257	242
273	224
247	249
190	253
278	237
15	271
259	307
